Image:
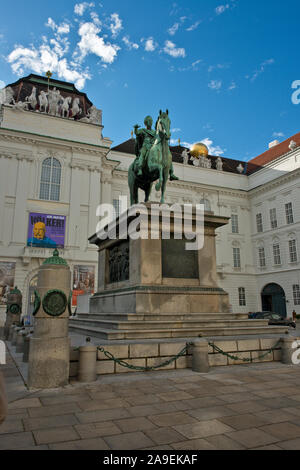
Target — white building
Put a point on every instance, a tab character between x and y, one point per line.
57	163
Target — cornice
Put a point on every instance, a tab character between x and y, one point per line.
265	187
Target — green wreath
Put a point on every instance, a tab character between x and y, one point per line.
14	308
55	302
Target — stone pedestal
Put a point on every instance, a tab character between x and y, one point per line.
49	345
200	361
157	275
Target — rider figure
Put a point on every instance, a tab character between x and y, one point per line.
147	137
145	140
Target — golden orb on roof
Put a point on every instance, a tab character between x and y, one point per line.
198	150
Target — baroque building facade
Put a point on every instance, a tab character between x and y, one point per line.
56	168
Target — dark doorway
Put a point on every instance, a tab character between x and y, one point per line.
273	299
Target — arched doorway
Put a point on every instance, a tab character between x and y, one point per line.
273	299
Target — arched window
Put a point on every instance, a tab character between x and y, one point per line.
206	204
50	179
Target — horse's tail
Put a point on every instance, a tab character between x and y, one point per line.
158	185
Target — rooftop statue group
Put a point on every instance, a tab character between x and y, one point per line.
153	158
53	103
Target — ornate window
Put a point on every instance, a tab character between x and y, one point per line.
276	253
206	204
296	294
261	257
242	296
50	179
234	223
236	257
293	251
259	223
273	218
289	213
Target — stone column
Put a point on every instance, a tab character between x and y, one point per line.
49	348
87	363
14	310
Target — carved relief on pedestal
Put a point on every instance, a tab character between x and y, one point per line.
118	260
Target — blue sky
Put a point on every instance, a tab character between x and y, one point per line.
223	68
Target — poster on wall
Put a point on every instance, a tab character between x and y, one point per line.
7	279
83	281
46	230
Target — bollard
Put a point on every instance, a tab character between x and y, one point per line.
200	356
20	341
11	330
287	350
87	363
26	347
15	334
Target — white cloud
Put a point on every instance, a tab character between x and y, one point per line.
2	84
193	26
171	49
215	84
278	134
45	58
261	69
80	8
211	68
95	18
220	9
150	45
115	25
91	43
173	29
212	148
232	86
130	44
176	129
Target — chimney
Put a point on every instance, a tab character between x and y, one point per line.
273	143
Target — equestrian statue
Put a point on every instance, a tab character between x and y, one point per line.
153	158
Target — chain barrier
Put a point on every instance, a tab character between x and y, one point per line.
141	368
244	359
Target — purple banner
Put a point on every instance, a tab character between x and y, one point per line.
46	230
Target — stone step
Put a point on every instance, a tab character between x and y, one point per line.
158	317
151	325
176	333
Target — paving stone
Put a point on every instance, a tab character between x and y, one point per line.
292	444
11	426
90	405
203	429
49	436
222	442
16	441
143	410
210	412
102	415
128	441
280	402
172	419
164	435
63	409
193	444
24	403
283	431
248	406
30	424
88	431
276	416
244	421
54	400
251	438
270	447
295	411
134	424
174	396
237	397
83	444
143	399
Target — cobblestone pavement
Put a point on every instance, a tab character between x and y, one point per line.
253	406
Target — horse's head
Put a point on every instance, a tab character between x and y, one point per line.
163	124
